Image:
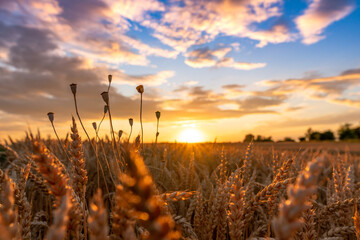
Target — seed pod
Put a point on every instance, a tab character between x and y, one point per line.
51	116
120	133
105	109
105	96
73	88
140	88
131	121
110	78
94	125
157	114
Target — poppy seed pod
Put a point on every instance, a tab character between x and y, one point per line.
51	116
140	89
157	113
73	88
110	78
94	125
105	96
131	121
120	133
105	109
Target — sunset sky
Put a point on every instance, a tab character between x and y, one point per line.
215	69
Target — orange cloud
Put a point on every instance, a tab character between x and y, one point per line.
330	89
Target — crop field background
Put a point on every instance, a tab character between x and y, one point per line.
178	191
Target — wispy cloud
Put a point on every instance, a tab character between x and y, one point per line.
331	89
206	57
319	15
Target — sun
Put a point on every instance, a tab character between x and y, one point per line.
191	135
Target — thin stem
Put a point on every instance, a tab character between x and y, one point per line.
107	162
92	146
82	125
84	214
113	139
141	123
112	132
157	131
62	147
97	162
97	130
130	133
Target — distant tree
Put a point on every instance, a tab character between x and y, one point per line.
315	136
357	132
308	134
288	139
248	138
327	136
346	133
302	139
260	138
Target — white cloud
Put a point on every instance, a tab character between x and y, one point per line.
319	15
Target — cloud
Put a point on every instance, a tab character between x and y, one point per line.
230	62
206	57
319	15
95	29
332	89
233	86
107	31
326	119
135	10
90	9
191	23
196	102
278	33
37	81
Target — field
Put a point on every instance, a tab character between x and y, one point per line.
83	190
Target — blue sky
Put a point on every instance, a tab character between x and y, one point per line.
269	67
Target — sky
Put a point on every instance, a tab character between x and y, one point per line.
215	69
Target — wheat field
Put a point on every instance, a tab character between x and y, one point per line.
113	188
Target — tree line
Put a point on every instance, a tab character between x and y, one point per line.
346	132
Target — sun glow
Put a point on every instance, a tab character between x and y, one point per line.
191	135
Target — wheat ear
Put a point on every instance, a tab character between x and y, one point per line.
8	214
57	231
288	221
98	227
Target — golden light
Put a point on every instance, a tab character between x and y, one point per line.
191	135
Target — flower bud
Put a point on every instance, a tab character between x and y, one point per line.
94	125
51	116
110	78
157	113
105	96
131	121
73	88
140	89
105	109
